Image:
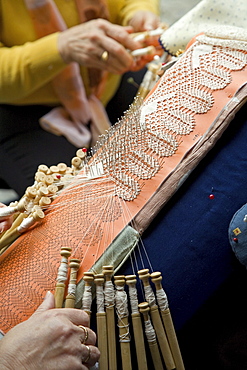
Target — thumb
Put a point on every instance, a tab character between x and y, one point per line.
148	26
47	304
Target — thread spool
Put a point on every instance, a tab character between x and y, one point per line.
87	295
156	319
74	265
167	320
110	316
137	323
151	337
62	168
62	277
14	233
123	323
101	322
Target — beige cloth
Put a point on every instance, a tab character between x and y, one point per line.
72	118
203	16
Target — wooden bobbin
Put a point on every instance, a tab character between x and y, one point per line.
137	329
41	192
108	272
158	325
123	325
49	180
53	169
101	325
40	177
14	233
74	266
88	277
52	190
60	286
43	168
22	205
62	168
153	345
168	324
81	153
37	214
44	202
30	192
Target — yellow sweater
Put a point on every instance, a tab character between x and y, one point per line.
27	65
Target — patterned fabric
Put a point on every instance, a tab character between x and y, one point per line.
204	15
138	165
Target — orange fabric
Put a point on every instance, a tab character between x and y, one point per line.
89	215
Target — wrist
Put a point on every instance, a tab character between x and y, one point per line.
62	46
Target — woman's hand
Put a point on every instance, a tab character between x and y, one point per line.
50	339
86	43
144	20
6	222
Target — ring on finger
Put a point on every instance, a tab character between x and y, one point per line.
104	56
87	359
85	333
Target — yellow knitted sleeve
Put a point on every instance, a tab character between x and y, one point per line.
121	11
26	68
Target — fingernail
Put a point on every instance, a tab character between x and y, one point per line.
47	295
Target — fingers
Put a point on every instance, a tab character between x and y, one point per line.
116	41
119	34
144	21
76	316
6	223
86	335
90	355
47	304
86	43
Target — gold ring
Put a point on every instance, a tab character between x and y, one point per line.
88	356
104	57
85	332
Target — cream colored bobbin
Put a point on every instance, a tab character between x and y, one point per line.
88	277
101	324
137	327
123	325
74	266
60	286
153	345
158	325
108	272
168	324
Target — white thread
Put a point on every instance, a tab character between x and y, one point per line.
125	337
109	294
71	289
149	331
162	299
199	51
149	295
100	298
121	302
26	223
62	270
6	211
87	298
133	299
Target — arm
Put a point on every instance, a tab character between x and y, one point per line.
26	68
